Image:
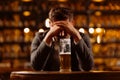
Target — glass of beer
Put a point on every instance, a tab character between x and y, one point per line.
65	55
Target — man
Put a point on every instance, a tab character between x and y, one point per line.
44	55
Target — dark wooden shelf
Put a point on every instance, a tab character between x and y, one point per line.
108	42
19	27
115	27
9	12
81	12
19	57
10	27
106	57
13	42
106	12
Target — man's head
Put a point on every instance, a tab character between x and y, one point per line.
60	13
62	17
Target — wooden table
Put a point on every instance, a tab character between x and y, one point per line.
41	75
5	72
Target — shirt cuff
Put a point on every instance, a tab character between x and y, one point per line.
77	42
49	45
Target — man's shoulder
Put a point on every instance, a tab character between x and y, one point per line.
82	34
42	34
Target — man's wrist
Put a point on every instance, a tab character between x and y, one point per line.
77	37
48	40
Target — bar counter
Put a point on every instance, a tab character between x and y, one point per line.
5	72
42	75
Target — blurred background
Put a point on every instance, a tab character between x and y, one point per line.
21	19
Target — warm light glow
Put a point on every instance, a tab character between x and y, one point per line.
91	25
98	30
41	30
98	13
103	30
47	23
91	30
82	30
26	0
59	0
26	30
98	39
98	0
98	25
62	0
26	13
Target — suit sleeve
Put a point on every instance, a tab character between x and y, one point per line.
84	52
39	53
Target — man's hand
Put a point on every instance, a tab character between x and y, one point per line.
54	31
69	28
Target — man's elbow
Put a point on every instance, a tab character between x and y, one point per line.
88	67
35	66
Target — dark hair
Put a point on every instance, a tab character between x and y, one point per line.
60	13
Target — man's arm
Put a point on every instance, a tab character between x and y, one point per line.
39	52
84	50
83	46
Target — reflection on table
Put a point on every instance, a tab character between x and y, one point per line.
41	75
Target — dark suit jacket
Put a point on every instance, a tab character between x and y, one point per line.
44	57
